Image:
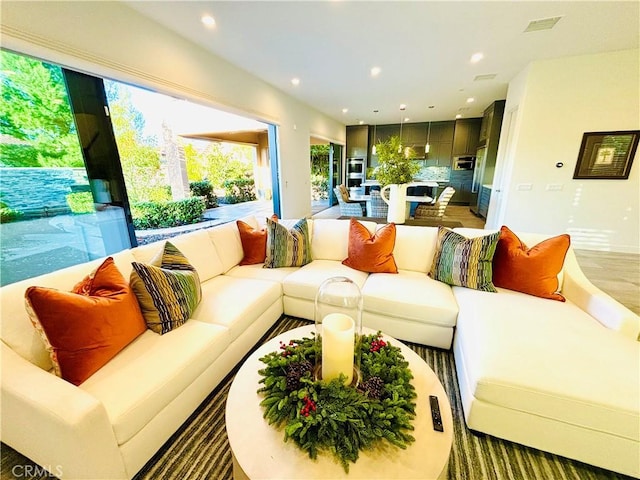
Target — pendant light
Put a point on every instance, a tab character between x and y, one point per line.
402	108
373	149
427	147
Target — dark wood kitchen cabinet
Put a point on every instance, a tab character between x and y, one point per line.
414	134
461	180
441	143
466	136
357	141
384	132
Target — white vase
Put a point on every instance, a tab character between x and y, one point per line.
397	202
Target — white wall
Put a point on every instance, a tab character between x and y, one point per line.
111	40
556	101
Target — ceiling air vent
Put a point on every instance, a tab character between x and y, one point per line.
542	24
488	76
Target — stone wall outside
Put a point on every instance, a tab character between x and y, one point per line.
40	189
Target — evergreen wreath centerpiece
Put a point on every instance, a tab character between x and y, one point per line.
330	417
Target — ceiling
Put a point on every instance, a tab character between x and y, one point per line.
423	48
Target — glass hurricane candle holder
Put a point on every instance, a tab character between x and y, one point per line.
338	317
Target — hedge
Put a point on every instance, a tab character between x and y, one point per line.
80	202
167	214
239	190
204	189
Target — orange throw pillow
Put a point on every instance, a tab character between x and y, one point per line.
530	270
371	253
86	328
254	242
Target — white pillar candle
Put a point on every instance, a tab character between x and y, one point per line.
337	346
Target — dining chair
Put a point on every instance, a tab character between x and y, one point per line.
347	208
376	207
425	211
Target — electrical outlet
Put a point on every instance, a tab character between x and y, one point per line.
554	187
524	186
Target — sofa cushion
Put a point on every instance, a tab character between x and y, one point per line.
226	240
168	289
530	270
287	247
16	328
526	237
415	247
462	261
545	358
304	283
85	328
254	243
330	240
259	273
411	296
196	246
235	303
152	371
371	253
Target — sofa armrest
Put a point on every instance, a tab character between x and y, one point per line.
56	424
608	311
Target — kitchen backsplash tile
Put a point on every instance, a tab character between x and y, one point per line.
437	174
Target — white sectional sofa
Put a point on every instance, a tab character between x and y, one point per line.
561	377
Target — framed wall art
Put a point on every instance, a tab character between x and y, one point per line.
606	155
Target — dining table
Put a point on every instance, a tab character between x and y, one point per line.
417	183
410	199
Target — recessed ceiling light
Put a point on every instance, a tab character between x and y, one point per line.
295	81
476	57
471	100
345	110
375	71
459	115
208	21
406	119
361	122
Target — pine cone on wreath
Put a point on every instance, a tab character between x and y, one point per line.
294	372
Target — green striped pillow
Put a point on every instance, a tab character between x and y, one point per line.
465	262
287	248
168	289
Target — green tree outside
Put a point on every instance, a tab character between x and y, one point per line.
35	117
139	155
216	165
37	128
319	172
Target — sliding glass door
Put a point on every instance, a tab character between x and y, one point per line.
61	201
335	171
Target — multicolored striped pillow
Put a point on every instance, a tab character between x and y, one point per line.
168	289
464	262
287	248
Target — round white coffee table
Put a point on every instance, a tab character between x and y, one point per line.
260	452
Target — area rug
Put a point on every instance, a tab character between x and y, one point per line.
200	449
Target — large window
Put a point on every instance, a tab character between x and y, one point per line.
55	212
86	163
167	143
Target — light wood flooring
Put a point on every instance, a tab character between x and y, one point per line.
617	274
